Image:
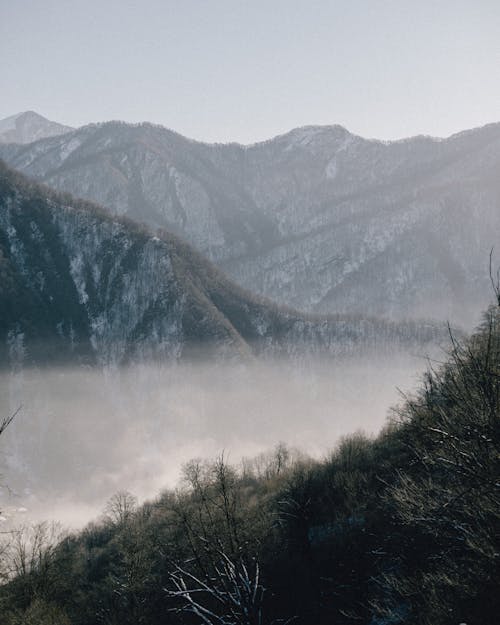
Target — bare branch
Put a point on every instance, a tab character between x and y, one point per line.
234	587
4	424
495	279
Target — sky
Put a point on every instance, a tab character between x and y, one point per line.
234	70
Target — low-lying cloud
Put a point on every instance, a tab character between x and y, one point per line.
83	434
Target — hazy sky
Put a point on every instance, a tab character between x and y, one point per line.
222	70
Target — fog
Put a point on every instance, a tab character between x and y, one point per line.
83	434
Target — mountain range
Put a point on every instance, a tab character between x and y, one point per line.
318	219
77	283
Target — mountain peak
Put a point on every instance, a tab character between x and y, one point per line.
29	126
320	129
316	139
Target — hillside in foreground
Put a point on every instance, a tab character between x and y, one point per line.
399	529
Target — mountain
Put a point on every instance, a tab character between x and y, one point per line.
28	127
77	283
318	219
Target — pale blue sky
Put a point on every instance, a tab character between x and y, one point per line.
221	70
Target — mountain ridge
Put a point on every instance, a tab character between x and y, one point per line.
304	218
272	138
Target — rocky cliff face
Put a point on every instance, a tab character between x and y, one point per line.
77	284
318	219
28	127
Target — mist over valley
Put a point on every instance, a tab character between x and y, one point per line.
133	428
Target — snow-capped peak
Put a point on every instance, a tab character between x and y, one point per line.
27	127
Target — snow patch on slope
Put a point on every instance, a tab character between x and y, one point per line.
72	145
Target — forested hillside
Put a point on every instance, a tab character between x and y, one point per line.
81	285
402	528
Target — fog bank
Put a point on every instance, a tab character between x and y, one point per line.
82	434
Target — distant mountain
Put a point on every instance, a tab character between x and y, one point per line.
28	127
76	283
318	218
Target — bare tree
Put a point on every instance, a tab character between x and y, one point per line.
217	576
121	507
230	595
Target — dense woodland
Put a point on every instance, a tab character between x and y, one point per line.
403	528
